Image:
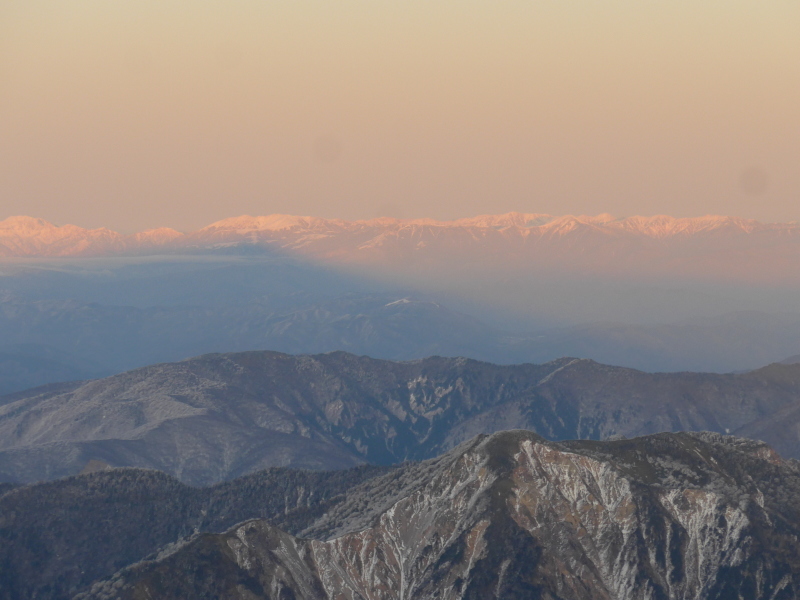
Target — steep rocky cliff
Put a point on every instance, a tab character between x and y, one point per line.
672	516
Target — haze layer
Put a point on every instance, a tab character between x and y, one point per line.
136	115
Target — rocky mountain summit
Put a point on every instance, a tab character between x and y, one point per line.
220	416
672	516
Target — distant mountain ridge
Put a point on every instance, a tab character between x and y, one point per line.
30	236
49	341
220	416
23	236
717	248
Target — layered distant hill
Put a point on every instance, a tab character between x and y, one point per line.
48	341
722	248
657	293
219	416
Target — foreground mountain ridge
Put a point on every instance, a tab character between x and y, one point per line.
57	537
219	416
510	516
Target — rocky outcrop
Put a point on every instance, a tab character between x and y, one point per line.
672	516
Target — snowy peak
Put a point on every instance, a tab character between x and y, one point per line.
661	226
657	226
23	236
715	246
248	224
28	236
22	225
159	236
512	219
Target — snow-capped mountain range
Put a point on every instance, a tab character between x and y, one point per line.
726	247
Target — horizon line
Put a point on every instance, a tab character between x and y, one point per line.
524	219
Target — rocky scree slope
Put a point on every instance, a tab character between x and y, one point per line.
56	538
219	416
668	516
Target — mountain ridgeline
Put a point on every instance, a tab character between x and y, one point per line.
220	416
638	245
58	537
653	293
60	339
507	516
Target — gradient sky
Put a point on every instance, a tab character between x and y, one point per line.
140	114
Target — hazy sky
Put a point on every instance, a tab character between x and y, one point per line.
139	114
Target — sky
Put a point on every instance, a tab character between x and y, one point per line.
133	115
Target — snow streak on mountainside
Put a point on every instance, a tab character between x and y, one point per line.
725	247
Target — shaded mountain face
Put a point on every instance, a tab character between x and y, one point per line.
673	516
219	416
56	538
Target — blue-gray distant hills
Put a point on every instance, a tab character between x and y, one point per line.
219	416
326	344
54	339
654	293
